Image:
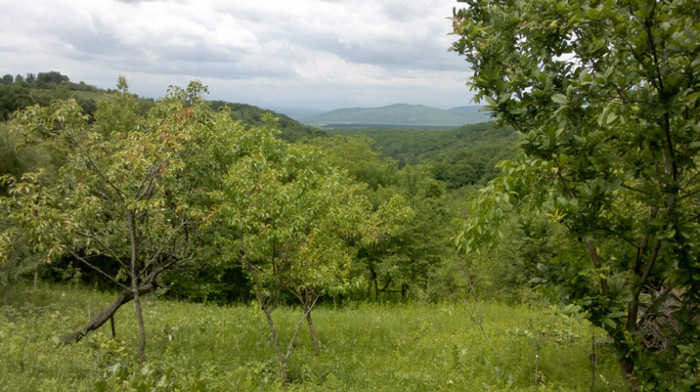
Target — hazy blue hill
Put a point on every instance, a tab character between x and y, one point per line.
398	116
471	114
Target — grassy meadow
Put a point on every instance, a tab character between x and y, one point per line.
365	347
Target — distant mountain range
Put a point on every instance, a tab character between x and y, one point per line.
398	116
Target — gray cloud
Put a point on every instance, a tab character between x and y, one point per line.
311	52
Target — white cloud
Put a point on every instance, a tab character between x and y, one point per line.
395	50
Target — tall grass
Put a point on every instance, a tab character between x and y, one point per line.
366	347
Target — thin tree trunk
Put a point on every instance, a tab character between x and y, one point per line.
374	283
135	284
290	346
317	345
270	323
142	327
124	297
275	339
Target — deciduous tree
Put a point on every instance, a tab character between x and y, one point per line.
293	220
131	188
605	97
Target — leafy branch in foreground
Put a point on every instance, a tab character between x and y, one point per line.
605	98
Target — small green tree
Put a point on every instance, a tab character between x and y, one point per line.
133	189
605	97
404	258
293	221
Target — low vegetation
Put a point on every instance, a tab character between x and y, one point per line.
365	347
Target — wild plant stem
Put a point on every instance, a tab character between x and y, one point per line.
594	360
478	319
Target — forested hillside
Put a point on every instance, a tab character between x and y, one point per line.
17	92
248	114
457	157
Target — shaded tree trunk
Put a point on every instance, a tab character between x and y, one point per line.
96	322
383	289
373	283
628	373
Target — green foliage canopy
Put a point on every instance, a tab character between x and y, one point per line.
605	95
132	188
458	157
403	259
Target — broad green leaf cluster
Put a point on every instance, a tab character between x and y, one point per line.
605	97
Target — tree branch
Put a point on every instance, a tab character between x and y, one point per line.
162	247
647	270
104	246
99	270
96	168
645	241
590	245
296	331
635	189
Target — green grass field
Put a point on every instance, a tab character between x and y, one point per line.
365	347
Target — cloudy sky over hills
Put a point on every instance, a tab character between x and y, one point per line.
320	54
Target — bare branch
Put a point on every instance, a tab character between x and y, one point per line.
635	189
296	331
162	247
99	270
96	168
104	246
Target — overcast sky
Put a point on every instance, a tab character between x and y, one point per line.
315	54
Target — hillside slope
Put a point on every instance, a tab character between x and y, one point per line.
458	157
20	92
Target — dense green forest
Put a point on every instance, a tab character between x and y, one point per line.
258	253
457	157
